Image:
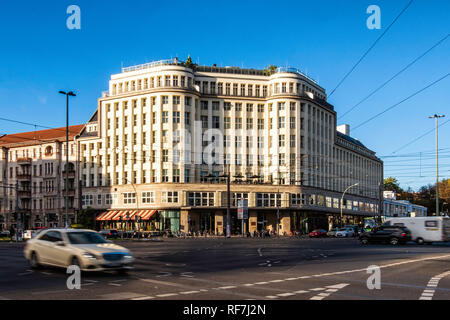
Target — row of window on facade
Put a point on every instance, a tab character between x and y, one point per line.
214	88
207	199
401	209
36	153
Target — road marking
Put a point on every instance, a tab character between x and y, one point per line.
263	282
115	284
327	293
287	294
259	252
300	291
290	279
428	293
271	297
190	292
274	281
121	295
317	289
143	298
226	287
166	295
249	284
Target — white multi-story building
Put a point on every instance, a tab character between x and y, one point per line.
35	163
165	131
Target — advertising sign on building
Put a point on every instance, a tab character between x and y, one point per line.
242	209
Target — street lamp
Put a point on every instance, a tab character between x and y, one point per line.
436	117
67	94
342	199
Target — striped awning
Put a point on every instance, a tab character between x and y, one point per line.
146	214
107	215
117	214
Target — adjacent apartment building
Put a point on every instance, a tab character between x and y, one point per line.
166	133
32	178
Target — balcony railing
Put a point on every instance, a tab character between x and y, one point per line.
24	176
24	160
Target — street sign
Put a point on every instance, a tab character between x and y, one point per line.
242	209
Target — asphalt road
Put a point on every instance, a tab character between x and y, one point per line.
244	269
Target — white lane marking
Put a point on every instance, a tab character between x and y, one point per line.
259	252
144	298
290	279
93	281
166	295
274	281
190	292
300	291
428	293
226	287
249	284
115	284
25	273
317	289
263	282
271	297
287	294
327	293
338	286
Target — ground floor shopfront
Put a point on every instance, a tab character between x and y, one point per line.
213	221
302	221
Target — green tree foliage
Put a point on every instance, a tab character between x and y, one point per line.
86	218
391	184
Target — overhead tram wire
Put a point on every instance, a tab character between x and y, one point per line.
393	77
400	102
420	137
370	48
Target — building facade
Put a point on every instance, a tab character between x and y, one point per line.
165	133
401	208
32	178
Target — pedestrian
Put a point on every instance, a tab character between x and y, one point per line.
11	232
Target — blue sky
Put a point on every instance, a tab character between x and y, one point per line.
39	56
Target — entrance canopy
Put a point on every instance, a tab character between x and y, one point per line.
115	215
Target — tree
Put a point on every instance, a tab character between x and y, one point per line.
188	62
86	217
391	184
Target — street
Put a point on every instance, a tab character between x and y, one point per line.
244	269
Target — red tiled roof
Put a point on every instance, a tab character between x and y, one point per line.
37	137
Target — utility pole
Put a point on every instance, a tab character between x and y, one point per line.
67	94
342	200
436	117
17	211
228	202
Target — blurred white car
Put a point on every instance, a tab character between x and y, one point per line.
85	248
345	232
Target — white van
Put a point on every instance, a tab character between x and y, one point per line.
424	229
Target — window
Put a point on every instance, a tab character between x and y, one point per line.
260	108
238	107
176	117
165	99
297	199
165	155
197	199
148	197
249	123
227	106
204	105
165	116
281	140
129	197
111	198
99	199
268	199
87	199
238	124
215	105
176	100
280	122
260	124
187	101
226	122
169	197
249	107
431	224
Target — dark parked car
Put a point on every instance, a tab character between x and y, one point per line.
318	233
392	234
110	234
